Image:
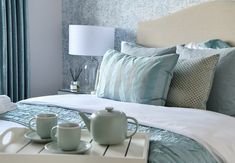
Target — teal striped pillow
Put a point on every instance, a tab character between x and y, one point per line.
136	79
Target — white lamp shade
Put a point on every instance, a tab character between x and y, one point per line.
90	40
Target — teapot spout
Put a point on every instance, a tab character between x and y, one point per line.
86	120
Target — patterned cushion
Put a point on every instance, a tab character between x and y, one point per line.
136	79
138	50
191	83
222	96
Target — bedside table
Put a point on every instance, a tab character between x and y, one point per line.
67	91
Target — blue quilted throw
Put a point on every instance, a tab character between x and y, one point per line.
165	146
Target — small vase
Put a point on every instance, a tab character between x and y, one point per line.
74	86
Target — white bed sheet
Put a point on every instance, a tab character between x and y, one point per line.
213	130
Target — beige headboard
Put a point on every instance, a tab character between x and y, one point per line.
215	19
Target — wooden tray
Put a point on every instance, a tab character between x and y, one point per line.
15	148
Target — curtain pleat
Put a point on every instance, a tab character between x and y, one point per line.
14	57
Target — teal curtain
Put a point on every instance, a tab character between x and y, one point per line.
14	80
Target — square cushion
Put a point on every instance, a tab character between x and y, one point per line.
191	82
222	95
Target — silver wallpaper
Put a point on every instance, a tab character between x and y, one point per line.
121	14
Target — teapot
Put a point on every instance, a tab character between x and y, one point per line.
108	127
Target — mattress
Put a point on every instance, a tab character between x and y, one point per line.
176	134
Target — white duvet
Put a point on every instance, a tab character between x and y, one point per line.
215	131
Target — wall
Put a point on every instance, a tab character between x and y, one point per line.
45	46
122	14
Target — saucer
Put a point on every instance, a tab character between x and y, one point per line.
32	135
82	148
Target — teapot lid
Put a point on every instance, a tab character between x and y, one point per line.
109	111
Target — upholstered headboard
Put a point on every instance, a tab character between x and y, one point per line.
211	20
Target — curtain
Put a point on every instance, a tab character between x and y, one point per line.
14	80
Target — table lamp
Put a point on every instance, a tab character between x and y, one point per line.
85	40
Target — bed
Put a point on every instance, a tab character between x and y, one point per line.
176	135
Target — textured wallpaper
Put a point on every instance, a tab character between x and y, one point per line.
121	14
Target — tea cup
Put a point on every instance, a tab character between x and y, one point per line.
44	124
67	135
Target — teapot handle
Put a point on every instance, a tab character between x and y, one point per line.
137	125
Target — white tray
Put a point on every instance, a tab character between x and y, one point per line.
21	150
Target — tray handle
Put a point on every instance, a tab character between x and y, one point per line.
14	132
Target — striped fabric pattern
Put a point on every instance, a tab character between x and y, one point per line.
136	79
